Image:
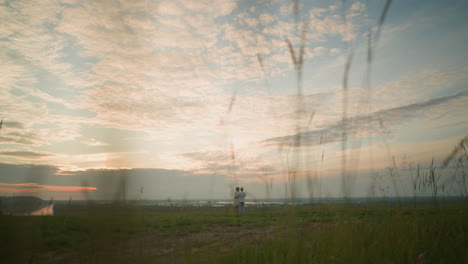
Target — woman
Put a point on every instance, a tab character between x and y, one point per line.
236	200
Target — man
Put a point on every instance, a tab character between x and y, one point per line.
242	195
236	200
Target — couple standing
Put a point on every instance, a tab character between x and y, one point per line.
239	200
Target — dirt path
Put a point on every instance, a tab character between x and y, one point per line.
219	239
154	248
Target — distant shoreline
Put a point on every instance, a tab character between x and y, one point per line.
266	201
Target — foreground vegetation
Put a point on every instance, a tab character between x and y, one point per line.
320	233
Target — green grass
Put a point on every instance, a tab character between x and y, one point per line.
336	233
373	235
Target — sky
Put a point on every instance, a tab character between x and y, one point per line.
189	99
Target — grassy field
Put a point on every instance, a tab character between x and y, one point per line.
324	233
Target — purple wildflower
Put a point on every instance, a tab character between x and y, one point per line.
422	258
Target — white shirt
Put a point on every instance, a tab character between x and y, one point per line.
242	197
236	198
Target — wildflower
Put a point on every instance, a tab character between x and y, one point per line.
309	246
421	258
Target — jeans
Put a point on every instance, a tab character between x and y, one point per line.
241	208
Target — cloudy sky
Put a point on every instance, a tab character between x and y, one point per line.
187	99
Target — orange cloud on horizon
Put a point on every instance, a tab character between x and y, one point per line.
36	187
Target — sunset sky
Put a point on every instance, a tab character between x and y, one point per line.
188	99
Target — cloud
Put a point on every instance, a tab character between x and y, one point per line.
374	123
335	51
266	19
21	137
17	83
357	7
95	143
166	60
31	38
214	156
252	22
416	85
25	154
12	124
135	65
17	173
127	63
145	109
246	40
326	22
245	163
35	187
55	128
